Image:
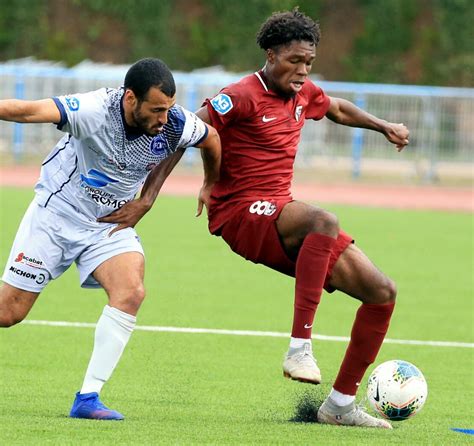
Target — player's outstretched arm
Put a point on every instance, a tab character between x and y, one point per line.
346	113
133	211
211	158
17	110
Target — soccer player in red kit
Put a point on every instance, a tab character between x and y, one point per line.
259	120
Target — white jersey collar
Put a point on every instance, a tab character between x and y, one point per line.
261	80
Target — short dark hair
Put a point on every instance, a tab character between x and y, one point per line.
147	73
281	28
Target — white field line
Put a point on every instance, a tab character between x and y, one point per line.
273	334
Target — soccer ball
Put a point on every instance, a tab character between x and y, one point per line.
397	390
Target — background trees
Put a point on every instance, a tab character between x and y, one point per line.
390	41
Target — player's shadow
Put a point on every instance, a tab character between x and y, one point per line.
307	404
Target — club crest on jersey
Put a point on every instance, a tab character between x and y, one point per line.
222	103
72	103
158	145
298	110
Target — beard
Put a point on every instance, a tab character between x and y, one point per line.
143	123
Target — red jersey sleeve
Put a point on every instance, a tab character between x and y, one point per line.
318	102
226	107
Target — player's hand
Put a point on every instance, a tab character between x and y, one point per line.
397	134
127	216
204	198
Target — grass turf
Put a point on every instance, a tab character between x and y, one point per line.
215	389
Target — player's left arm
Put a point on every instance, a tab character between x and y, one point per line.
345	112
211	159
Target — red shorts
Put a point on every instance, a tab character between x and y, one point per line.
249	229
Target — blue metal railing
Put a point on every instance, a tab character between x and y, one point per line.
192	83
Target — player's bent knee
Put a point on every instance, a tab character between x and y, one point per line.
331	222
388	291
326	223
14	304
129	301
139	294
9	318
136	297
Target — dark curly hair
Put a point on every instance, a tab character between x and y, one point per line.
283	27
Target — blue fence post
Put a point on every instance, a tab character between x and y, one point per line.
433	117
18	128
357	139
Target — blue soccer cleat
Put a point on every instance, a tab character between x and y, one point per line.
89	406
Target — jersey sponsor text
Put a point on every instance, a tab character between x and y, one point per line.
30	261
262	208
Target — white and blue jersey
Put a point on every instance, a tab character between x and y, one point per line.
100	164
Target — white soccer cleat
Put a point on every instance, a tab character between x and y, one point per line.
350	415
300	365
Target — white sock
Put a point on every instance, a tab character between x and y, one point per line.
112	333
298	342
341	399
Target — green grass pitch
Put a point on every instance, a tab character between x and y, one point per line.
180	388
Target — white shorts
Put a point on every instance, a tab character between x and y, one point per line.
47	243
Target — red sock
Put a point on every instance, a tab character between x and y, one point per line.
368	332
311	270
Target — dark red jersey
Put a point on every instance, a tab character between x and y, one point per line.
260	132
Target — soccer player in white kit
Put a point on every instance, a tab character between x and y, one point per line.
114	139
